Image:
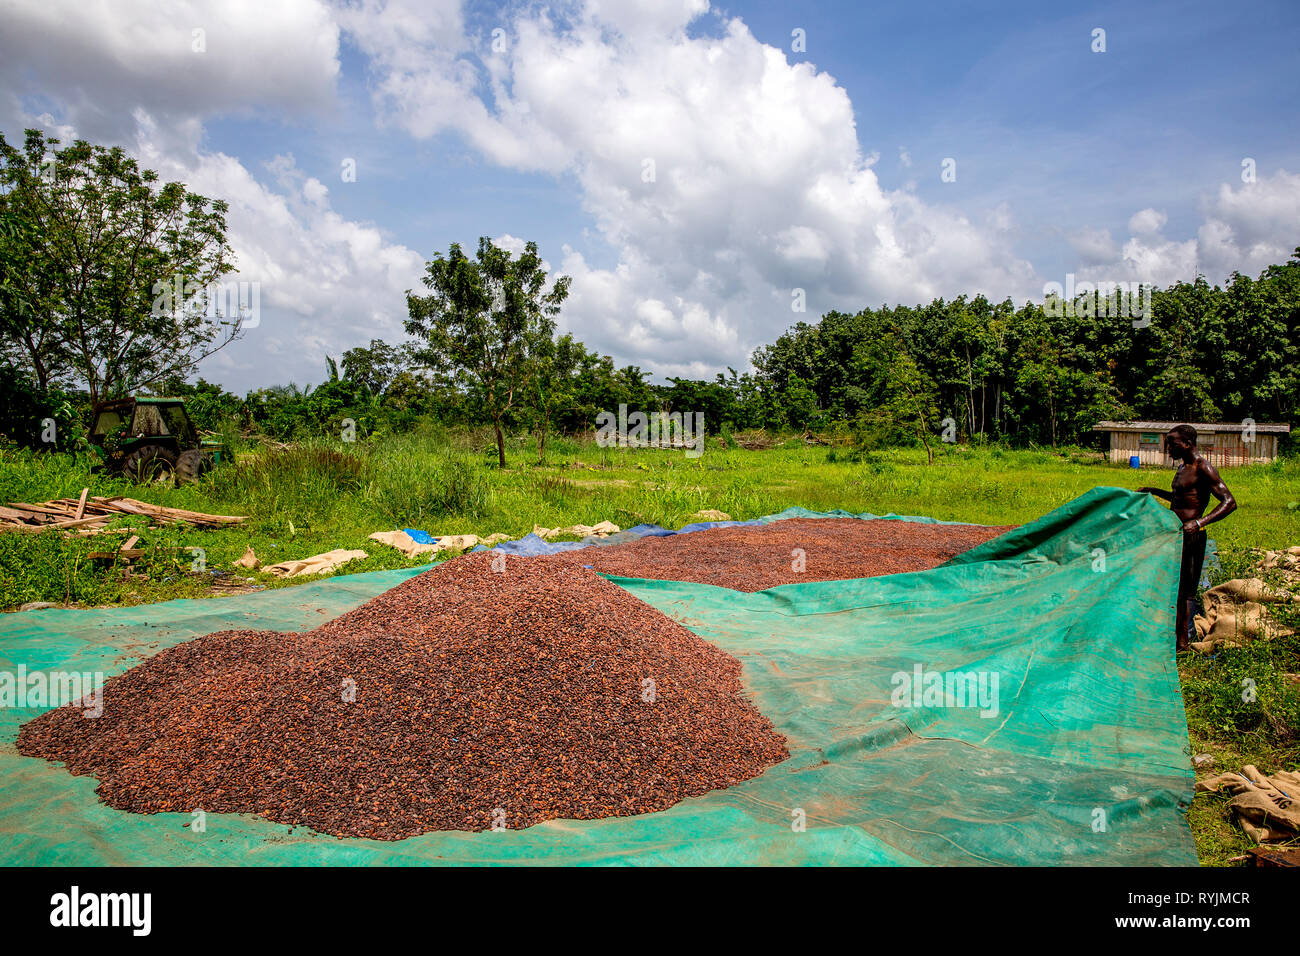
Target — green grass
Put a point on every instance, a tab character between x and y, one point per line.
319	496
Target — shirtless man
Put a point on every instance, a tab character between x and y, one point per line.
1194	482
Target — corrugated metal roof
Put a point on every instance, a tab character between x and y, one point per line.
1282	428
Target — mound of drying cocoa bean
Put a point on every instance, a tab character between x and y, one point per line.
485	693
790	551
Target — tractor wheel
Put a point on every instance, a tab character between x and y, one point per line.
189	466
148	463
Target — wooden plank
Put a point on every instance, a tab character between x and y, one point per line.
130	542
36	509
122	506
81	504
61	525
176	514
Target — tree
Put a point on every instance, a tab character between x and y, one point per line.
103	249
907	402
711	399
1177	385
482	320
375	366
555	363
28	340
799	403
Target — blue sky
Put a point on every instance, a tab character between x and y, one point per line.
775	169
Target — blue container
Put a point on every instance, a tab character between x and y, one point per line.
1134	461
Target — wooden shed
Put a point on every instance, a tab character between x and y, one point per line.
1223	444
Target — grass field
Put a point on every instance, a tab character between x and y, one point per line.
312	498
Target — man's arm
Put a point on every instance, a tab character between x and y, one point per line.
1166	495
1227	503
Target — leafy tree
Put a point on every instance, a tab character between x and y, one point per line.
481	321
799	403
27	338
552	373
712	399
1178	385
750	404
377	365
908	412
105	247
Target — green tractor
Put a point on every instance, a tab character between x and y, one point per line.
150	438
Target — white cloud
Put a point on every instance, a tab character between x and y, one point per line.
102	61
1253	225
1093	245
759	185
327	283
314	191
1147	221
511	244
1245	229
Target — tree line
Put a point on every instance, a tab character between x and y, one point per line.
88	240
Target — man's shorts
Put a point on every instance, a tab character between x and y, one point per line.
1193	560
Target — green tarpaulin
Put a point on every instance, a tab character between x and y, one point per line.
1019	705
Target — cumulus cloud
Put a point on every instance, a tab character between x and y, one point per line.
1245	228
1094	245
722	176
326	282
1147	221
102	61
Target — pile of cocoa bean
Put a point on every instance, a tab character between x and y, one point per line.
487	693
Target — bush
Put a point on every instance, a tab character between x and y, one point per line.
51	566
25	410
1244	690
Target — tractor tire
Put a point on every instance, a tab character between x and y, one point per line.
148	463
189	466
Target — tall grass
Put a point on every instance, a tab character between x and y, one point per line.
411	484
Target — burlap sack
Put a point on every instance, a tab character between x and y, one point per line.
450	542
1288	560
1268	807
403	542
316	564
581	530
1236	612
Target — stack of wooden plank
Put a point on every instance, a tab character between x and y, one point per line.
91	514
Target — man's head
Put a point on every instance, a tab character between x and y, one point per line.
1180	440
